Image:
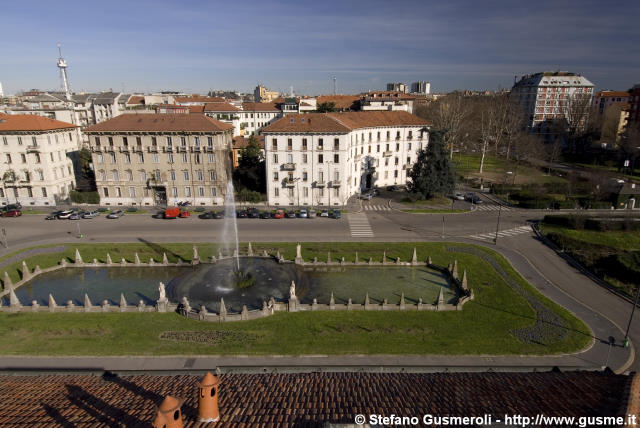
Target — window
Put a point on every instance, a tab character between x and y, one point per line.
60	156
408	160
155	158
130	175
304	176
388	134
112	155
289	158
409	146
197	141
320	144
397	147
8	158
289	144
320	159
386	161
378	135
211	158
183	141
304	158
336	144
336	175
99	157
321	191
321	176
172	174
125	142
169	142
378	148
103	175
397	135
304	144
44	192
174	192
275	158
105	192
158	175
200	176
336	158
201	191
186	175
197	158
19	141
56	138
396	160
143	176
170	157
140	158
290	191
132	192
274	144
34	141
275	175
213	191
127	158
111	141
115	174
212	175
40	175
153	141
387	148
187	191
97	140
23	157
276	192
210	144
395	173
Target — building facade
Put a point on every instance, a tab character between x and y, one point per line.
263	95
398	87
255	116
161	159
421	87
323	159
37	159
549	97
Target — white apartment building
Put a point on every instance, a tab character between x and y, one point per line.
255	116
547	97
161	159
226	113
320	159
386	101
37	166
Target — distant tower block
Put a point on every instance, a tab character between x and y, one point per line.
1	91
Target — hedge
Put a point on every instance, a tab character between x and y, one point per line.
84	197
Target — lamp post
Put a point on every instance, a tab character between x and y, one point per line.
495	240
635	303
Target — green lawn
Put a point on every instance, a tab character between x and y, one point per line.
484	326
621	240
495	169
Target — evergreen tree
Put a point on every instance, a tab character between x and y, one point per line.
250	173
432	174
327	107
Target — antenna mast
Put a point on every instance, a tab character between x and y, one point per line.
334	85
62	65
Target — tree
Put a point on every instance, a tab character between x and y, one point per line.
326	107
432	173
448	113
251	170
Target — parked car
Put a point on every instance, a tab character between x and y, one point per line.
90	214
53	215
303	214
206	215
265	214
10	207
459	196
366	196
278	214
76	215
253	213
12	213
64	215
116	214
375	192
393	188
336	214
218	214
324	213
242	213
175	212
291	214
473	198
312	213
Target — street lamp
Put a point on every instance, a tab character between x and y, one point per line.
635	303
495	240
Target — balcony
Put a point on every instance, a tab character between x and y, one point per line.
152	149
334	184
34	148
387	154
289	167
320	183
123	149
181	149
195	149
290	182
168	149
208	149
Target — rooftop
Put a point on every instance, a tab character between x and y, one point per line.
220	107
343	122
240	142
199	99
30	122
271	107
310	399
160	122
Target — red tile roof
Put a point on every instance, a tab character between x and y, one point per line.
341	102
220	107
160	122
609	94
240	142
135	99
310	399
343	122
196	109
31	122
260	107
199	99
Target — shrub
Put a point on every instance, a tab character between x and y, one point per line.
246	195
84	197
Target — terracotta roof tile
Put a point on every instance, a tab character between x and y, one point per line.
135	99
310	399
160	122
240	142
31	122
341	102
216	107
199	99
196	109
343	122
260	107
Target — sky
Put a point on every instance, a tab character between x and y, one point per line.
195	46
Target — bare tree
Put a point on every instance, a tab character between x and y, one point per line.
449	114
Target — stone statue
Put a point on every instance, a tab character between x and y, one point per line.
292	290
163	295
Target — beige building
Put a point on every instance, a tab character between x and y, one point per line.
37	159
263	95
161	159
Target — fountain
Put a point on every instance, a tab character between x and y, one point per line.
230	226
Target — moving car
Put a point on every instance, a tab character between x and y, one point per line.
278	214
366	196
91	214
64	215
324	213
53	215
116	214
12	213
473	198
303	214
218	214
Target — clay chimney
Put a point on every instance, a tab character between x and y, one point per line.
169	414
208	399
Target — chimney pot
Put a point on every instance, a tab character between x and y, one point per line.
169	414
208	398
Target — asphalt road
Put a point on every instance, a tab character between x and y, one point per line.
605	313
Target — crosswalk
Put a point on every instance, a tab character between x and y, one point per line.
502	234
359	226
492	207
376	208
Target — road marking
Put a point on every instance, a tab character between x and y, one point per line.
491	207
359	225
376	208
503	233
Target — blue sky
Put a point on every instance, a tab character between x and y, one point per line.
200	45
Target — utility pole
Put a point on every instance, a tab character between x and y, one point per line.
442	227
495	240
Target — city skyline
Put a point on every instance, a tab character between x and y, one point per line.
145	47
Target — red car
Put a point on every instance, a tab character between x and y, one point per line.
278	214
12	213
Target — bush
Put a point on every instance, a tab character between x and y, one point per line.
246	195
131	210
84	197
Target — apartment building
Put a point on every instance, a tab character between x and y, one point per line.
255	116
386	101
161	159
552	96
37	159
321	159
